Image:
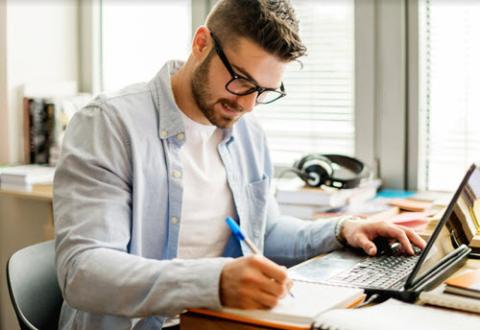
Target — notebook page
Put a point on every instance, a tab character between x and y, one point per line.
309	301
397	315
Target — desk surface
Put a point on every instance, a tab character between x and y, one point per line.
41	192
191	321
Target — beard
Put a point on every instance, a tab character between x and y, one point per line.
201	95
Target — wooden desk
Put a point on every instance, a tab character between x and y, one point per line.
193	321
26	218
41	192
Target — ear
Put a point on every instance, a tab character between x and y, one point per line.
202	43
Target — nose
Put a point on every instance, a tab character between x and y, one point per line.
247	102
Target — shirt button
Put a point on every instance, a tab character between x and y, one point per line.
163	134
174	220
180	136
177	174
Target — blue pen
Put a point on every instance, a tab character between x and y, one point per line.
237	232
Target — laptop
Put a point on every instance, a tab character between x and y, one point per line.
392	274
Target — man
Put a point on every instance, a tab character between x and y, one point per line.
147	176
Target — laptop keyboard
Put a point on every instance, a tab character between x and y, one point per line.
377	272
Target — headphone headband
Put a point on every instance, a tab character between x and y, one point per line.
332	170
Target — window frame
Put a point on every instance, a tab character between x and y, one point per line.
413	98
386	108
90	34
394	90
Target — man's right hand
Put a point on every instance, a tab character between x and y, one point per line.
253	282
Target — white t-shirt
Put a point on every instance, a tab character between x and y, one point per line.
207	199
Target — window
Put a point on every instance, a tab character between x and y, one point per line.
318	113
449	114
138	37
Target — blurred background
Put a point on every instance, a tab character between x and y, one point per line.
393	82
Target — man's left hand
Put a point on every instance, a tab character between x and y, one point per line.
362	233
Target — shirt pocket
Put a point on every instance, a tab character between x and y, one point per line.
256	193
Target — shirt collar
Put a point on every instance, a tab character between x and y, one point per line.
170	121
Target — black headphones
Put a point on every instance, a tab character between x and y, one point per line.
331	170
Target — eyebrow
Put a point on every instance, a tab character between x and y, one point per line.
244	72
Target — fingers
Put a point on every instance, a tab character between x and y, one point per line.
270	269
252	282
362	234
276	279
265	300
362	241
397	233
414	237
270	286
406	236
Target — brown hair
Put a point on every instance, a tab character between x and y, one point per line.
271	24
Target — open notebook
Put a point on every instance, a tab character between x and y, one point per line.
298	312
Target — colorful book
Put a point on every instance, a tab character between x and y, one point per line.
410	204
465	284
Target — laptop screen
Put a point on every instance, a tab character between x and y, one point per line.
454	227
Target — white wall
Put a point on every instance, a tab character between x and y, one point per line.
41	47
3	82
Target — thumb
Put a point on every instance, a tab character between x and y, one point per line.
367	245
371	249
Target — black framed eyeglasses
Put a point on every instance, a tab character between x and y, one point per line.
241	86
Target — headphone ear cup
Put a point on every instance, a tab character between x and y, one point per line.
318	170
317	175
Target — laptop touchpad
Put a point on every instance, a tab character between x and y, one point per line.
323	268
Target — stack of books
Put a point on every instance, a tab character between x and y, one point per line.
460	292
24	176
309	203
47	109
466	284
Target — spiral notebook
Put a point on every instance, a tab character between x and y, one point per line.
396	315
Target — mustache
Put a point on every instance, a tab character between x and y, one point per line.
232	105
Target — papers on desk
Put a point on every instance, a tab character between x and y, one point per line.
24	176
396	315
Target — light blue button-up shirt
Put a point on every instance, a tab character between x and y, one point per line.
117	207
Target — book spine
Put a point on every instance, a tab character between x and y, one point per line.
41	121
26	130
50	127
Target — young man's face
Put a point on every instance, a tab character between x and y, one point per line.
247	59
